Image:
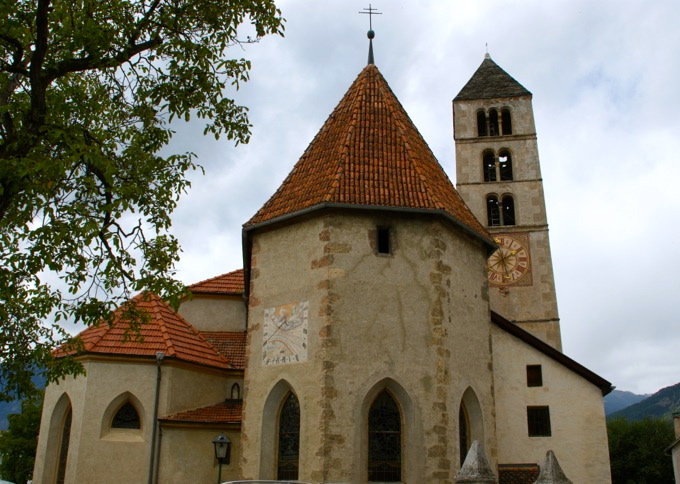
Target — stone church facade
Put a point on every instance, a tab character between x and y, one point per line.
383	322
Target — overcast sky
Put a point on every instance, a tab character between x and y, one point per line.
604	76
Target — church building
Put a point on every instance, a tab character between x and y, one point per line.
383	321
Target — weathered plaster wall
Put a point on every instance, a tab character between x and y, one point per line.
579	434
414	322
215	313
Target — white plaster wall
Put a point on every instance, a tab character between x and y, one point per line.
93	446
187	454
579	434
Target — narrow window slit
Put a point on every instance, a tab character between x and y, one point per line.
383	240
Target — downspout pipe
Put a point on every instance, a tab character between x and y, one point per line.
159	360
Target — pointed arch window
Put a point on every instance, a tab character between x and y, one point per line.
289	439
463	433
508	214
506	121
63	446
489	162
493	123
126	417
481	123
235	392
384	439
505	165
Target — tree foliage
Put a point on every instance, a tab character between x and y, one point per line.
87	91
636	451
19	442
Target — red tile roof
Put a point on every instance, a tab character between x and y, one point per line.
229	283
368	153
231	345
165	331
228	411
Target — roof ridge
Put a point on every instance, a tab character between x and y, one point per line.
167	339
344	152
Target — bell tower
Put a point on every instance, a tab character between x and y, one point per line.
499	176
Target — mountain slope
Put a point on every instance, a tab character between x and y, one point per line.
619	399
660	405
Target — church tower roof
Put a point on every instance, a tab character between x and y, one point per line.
368	154
490	81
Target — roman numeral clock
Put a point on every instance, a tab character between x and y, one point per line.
511	263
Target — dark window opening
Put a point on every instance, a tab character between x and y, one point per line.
463	434
493	211
384	440
481	123
235	392
534	376
505	164
493	123
126	418
506	121
289	439
383	240
508	210
489	166
63	446
538	421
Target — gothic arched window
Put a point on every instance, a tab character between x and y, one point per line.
235	392
505	165
481	123
63	446
489	162
384	440
508	216
463	433
493	123
289	439
126	418
506	121
493	213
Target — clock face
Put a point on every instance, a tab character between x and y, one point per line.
511	263
284	338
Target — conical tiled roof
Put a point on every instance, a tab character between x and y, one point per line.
490	81
368	154
166	331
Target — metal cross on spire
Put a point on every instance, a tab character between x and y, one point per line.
371	12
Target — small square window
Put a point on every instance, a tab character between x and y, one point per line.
538	421
534	376
383	240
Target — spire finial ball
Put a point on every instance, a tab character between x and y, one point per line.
371	34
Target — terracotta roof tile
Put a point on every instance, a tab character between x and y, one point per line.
231	345
368	153
229	283
165	331
228	411
518	474
490	81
